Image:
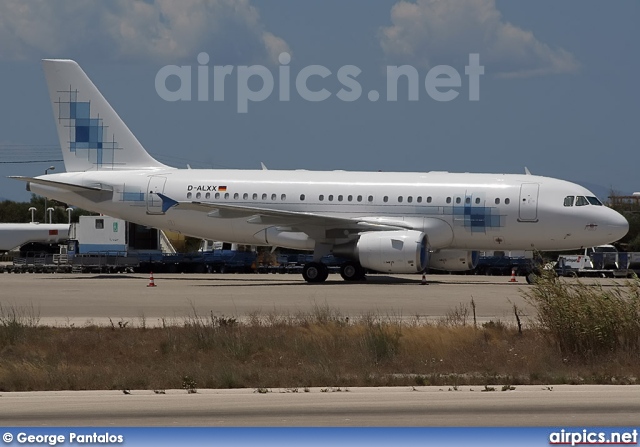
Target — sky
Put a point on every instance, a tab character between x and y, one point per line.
559	93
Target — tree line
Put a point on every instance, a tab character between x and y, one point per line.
18	212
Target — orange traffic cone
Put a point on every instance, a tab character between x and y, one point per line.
513	276
151	283
424	279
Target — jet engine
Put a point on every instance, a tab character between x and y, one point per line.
453	260
402	251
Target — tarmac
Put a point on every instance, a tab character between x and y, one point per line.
83	299
524	406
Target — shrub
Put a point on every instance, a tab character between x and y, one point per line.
587	319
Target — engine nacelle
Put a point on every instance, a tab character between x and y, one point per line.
402	251
453	260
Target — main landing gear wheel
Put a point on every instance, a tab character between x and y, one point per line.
352	271
315	272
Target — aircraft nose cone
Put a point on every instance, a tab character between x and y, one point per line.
617	225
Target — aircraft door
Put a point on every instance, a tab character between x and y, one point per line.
529	202
156	185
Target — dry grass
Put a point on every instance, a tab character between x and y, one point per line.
587	320
322	349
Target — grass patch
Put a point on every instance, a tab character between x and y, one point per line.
588	321
582	334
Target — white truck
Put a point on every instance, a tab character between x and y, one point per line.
602	261
14	235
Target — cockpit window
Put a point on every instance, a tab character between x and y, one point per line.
581	201
568	201
594	201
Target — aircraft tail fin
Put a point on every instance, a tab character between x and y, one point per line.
92	135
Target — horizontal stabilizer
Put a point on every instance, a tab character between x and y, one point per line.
60	185
93	193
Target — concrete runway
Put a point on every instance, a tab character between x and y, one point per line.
558	406
63	299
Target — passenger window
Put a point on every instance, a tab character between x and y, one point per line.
477	200
207	195
283	197
359	198
429	199
467	200
340	198
458	200
255	196
302	197
370	198
321	197
581	201
330	197
264	196
245	196
409	199
226	195
568	201
385	199
419	199
448	199
507	201
350	198
497	201
198	195
273	197
400	199
236	196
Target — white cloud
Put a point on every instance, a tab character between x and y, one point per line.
168	31
433	32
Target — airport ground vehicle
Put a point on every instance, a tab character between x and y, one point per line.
216	261
503	263
103	244
600	261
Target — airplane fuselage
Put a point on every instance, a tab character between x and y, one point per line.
457	211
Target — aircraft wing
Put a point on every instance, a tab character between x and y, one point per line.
295	219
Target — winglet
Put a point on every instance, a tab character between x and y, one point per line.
526	171
167	202
264	168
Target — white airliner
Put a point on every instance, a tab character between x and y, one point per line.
394	222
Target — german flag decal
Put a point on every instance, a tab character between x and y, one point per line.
222	188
